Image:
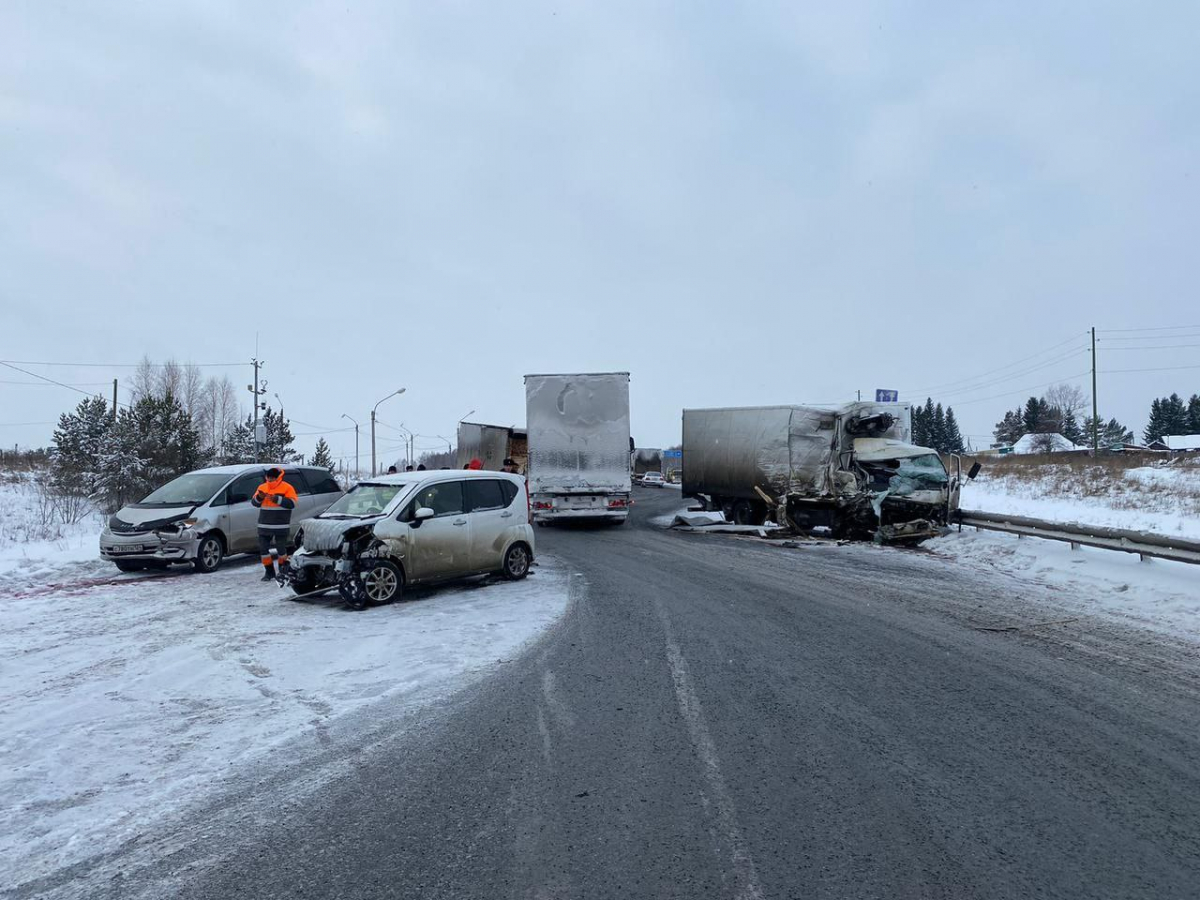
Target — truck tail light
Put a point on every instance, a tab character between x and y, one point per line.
543	504
617	504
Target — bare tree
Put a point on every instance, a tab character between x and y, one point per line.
144	382
1069	398
1044	443
191	388
219	412
170	379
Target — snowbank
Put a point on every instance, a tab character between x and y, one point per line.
126	696
1158	594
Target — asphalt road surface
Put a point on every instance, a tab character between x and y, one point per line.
723	717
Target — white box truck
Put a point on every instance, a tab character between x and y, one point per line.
578	446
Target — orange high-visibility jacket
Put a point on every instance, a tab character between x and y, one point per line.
275	501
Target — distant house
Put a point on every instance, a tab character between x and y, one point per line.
1181	441
1049	442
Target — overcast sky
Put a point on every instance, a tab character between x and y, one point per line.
782	203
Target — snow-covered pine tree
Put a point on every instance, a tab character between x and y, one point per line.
77	443
321	455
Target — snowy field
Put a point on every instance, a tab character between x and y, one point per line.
125	697
34	541
1160	499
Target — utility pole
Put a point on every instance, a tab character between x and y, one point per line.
1095	403
114	415
257	390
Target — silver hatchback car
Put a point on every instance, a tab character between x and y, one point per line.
203	516
415	528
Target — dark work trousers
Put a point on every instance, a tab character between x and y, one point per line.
269	536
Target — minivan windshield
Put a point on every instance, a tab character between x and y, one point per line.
364	500
191	489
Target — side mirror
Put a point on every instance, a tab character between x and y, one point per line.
973	471
421	515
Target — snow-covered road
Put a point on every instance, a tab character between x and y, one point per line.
124	697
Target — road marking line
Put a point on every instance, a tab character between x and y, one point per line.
689	705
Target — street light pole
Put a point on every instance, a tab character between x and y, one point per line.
355	421
375	407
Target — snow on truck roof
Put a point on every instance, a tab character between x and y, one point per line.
572	374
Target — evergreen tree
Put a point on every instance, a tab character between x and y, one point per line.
1070	428
1035	415
1010	429
77	445
1175	413
938	429
121	476
1156	427
238	446
321	456
1193	414
1112	432
953	439
920	428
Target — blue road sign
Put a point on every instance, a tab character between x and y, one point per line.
885	396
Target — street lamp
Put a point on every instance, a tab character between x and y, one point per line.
460	418
373	408
355	421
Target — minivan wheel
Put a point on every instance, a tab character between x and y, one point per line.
209	554
379	583
516	562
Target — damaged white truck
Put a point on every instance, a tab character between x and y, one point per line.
847	471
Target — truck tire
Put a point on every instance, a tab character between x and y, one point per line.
743	513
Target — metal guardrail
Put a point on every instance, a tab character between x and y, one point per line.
1145	544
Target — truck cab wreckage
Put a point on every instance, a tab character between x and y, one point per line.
847	471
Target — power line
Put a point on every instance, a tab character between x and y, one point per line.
29	362
1156	328
78	384
52	381
942	395
1023	390
1010	365
1157	337
1156	347
1161	369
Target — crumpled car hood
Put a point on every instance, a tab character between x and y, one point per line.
326	534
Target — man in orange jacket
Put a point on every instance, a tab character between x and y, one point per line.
275	499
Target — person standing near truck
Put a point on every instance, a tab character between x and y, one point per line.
275	499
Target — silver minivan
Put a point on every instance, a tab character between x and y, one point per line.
206	515
415	528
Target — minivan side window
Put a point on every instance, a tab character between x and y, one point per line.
244	487
295	477
445	499
510	492
484	493
323	482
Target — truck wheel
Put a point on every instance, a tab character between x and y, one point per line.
209	554
743	513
